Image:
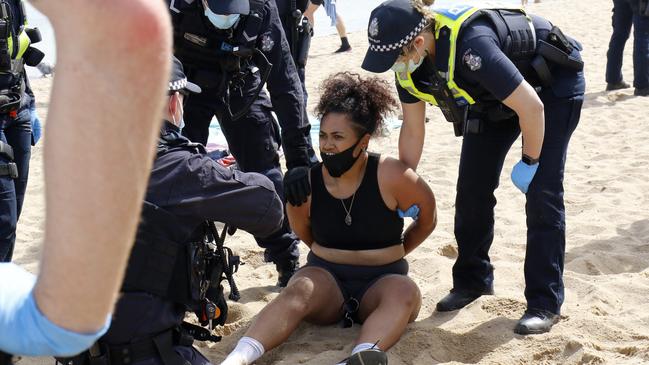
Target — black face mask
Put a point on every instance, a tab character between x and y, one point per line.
341	162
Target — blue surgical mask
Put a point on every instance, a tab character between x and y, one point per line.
222	21
400	67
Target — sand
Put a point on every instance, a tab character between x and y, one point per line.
604	319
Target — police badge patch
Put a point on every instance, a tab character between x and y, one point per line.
472	60
373	30
267	43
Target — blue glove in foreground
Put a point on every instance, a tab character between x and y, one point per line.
412	212
24	330
522	175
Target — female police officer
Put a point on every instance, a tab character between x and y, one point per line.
495	74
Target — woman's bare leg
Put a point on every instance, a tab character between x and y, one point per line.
312	294
387	308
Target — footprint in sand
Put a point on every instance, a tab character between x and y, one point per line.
449	251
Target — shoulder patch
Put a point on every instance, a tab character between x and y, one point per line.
472	60
267	43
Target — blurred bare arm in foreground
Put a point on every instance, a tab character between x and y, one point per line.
112	72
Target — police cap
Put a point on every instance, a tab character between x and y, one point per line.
393	25
178	80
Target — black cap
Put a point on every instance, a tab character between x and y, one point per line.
178	80
227	7
393	25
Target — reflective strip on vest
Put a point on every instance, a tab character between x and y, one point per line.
23	40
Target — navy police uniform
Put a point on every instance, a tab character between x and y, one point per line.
231	67
186	188
15	117
171	268
485	70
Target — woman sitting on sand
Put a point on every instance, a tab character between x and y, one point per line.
356	269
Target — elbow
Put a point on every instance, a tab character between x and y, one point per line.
273	220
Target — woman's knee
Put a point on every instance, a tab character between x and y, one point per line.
402	291
298	294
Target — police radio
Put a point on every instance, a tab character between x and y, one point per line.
436	85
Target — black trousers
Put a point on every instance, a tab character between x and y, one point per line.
481	163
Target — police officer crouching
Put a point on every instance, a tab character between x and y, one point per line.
177	262
495	74
232	49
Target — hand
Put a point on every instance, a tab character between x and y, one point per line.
522	175
412	212
24	330
36	127
296	185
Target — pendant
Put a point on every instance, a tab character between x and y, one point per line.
348	220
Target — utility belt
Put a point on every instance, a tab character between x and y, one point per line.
159	346
8	169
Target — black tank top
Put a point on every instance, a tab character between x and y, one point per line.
374	225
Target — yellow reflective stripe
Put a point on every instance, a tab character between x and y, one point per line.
454	26
24	43
405	81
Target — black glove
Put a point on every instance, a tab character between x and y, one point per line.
296	185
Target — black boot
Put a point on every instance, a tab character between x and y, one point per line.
617	86
641	92
285	270
458	299
536	321
344	46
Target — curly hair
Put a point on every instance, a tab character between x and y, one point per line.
423	8
367	101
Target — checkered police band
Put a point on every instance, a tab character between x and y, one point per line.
178	84
403	42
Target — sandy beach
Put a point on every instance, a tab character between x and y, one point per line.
605	318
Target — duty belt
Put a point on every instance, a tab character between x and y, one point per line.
9	169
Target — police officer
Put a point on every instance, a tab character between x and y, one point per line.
232	49
627	13
168	264
495	74
15	117
298	29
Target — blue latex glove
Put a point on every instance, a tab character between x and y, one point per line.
412	212
24	330
522	175
36	126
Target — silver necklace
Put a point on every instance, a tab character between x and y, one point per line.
348	217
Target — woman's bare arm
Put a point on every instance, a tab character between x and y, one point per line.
407	189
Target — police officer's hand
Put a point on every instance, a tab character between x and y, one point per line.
296	185
412	212
523	174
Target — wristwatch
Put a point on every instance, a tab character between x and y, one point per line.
529	161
